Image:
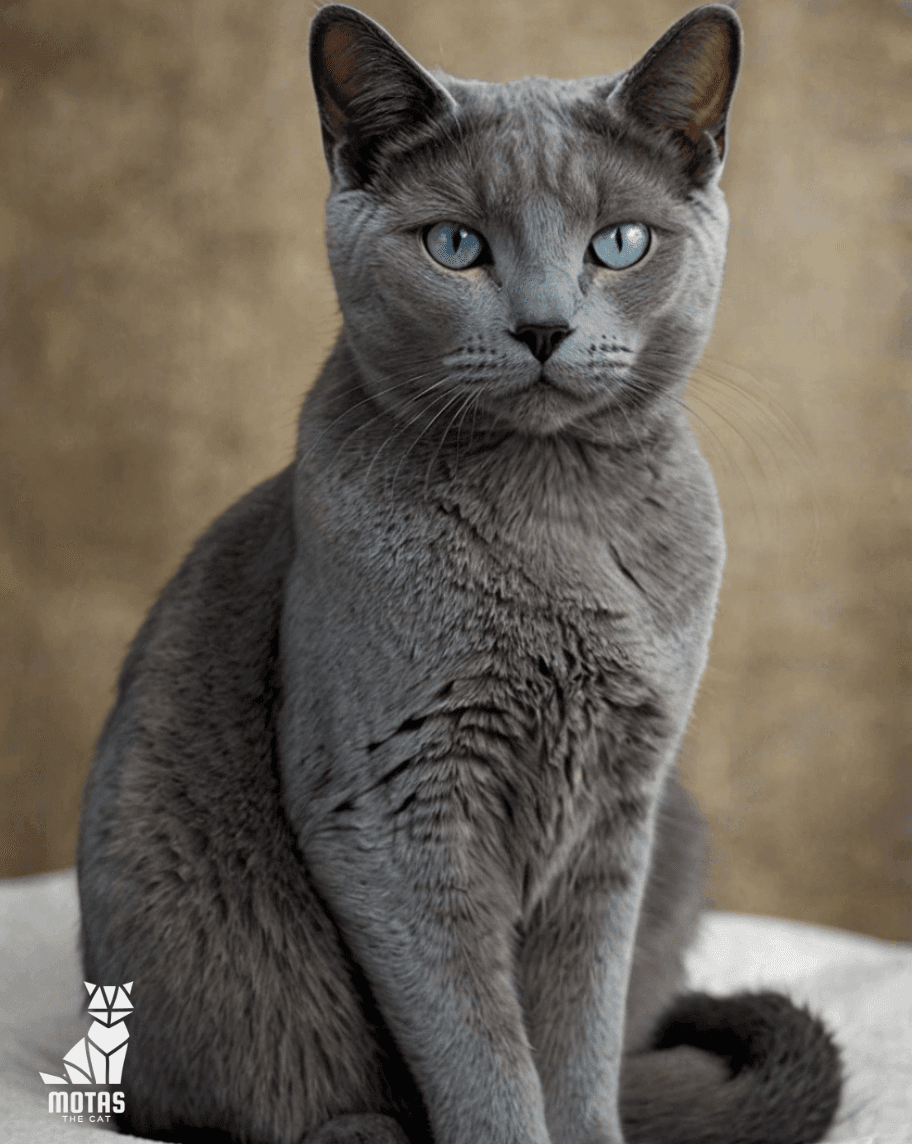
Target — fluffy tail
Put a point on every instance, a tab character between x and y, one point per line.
747	1069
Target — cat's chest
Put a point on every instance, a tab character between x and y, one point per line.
629	591
409	598
539	652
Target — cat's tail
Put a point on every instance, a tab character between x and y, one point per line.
748	1069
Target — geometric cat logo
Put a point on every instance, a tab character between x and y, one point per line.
99	1057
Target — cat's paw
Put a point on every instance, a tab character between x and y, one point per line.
368	1128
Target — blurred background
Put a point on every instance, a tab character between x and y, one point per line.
165	303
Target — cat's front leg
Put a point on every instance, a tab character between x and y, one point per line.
574	969
427	911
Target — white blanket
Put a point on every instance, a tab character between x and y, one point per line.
863	987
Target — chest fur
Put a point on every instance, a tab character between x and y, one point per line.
451	680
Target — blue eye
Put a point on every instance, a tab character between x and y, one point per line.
621	246
454	245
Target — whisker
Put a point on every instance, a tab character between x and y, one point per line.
452	398
732	461
364	401
741	437
471	403
364	424
402	429
769	408
784	429
404	380
381	412
465	404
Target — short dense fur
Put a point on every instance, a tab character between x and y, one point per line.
384	825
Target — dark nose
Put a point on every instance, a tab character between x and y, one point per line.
541	340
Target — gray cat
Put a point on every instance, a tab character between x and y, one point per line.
384	824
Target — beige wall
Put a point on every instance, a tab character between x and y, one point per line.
165	303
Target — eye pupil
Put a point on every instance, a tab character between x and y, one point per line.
621	246
453	245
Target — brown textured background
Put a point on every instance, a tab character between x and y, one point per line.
165	302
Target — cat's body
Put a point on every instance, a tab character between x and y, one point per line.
385	820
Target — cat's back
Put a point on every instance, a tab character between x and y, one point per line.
216	620
184	772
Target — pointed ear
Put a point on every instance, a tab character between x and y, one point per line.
369	91
681	90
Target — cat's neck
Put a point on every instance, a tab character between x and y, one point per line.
350	431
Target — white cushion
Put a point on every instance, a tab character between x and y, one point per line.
861	986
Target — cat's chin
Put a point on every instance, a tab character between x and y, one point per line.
547	406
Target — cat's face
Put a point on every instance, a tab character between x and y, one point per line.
542	255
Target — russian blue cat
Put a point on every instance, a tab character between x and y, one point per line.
384	825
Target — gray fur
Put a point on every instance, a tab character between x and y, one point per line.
384	825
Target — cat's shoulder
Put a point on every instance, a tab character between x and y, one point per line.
252	540
227	592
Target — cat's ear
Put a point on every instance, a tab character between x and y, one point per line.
681	90
369	91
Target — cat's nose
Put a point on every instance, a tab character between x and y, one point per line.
542	340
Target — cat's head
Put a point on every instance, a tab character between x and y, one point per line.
543	255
